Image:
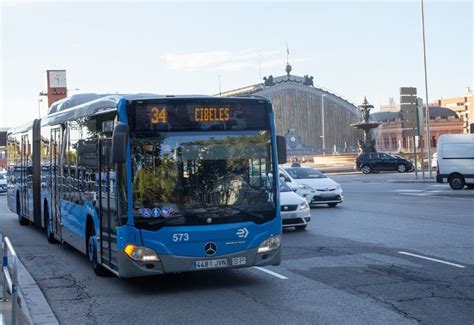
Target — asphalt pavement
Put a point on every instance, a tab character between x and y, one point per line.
394	252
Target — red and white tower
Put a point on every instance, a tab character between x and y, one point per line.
56	85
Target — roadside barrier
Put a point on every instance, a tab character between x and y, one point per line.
10	277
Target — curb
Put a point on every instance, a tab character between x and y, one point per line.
425	181
34	304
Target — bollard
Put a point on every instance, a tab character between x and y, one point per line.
4	268
14	292
10	282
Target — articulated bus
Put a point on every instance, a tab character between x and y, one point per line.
147	185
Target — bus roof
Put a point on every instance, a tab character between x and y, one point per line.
21	128
82	105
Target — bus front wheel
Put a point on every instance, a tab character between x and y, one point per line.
92	254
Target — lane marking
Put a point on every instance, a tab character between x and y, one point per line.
432	259
279	276
434	195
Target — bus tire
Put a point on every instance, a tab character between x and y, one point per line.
47	226
99	270
21	220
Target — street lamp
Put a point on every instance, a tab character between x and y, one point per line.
428	135
39	107
322	122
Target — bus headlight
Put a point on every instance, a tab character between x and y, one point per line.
141	254
269	244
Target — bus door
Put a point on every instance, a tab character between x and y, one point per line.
108	206
24	198
55	184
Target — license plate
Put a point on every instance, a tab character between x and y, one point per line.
241	260
211	264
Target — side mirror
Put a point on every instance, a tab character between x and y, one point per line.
281	149
119	143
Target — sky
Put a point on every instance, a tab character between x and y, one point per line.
352	48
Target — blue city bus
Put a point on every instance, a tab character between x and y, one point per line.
147	185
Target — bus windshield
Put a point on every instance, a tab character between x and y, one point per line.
197	178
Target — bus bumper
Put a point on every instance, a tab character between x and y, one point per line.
129	268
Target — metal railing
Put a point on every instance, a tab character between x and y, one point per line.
10	277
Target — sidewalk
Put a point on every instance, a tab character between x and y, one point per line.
32	306
5	311
414	180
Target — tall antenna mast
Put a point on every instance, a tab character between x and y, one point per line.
287	53
220	92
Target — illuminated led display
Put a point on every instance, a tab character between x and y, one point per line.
211	114
158	115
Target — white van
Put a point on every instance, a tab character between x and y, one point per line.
456	160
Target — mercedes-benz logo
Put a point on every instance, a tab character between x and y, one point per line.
210	249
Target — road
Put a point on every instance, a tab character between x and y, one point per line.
349	267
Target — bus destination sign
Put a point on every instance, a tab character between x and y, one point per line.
192	115
211	114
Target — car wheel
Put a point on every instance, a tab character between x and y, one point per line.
300	227
332	205
401	168
456	182
99	270
366	169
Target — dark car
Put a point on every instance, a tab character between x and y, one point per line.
380	161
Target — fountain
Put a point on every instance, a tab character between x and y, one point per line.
368	144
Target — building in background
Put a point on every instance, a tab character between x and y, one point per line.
3	148
302	110
463	106
390	138
392	106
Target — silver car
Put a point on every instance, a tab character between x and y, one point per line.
313	185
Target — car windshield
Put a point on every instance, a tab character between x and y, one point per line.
305	173
201	178
284	187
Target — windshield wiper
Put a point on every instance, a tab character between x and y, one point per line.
158	222
253	214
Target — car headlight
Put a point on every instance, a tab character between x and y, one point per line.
304	187
141	253
303	206
269	244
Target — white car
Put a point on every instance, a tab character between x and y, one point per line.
295	210
3	182
313	185
455	160
434	161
